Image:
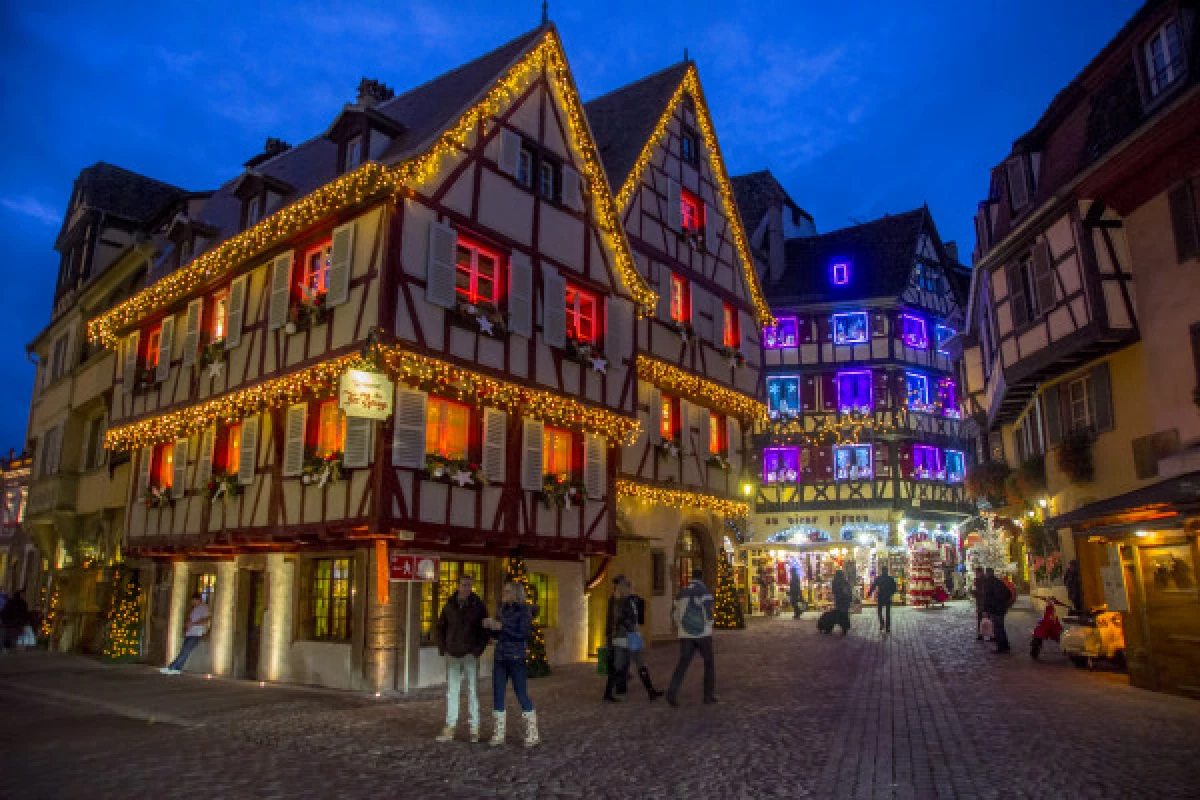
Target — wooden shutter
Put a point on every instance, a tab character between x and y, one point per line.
165	340
684	423
281	291
905	458
880	454
1018	184
704	424
408	428
1185	223
129	375
179	468
595	465
808	393
618	329
1043	272
1016	297
732	437
293	442
829	392
712	231
1101	388
1052	410
341	264
236	312
191	331
441	274
654	401
554	308
674	205
495	455
248	456
510	152
357	452
881	395
702	313
208	441
664	292
572	189
145	462
531	455
520	295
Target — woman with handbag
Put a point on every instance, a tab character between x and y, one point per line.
624	640
637	646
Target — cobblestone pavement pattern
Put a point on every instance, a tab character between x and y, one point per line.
927	712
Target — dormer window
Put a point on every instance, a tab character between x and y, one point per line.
687	147
1164	58
253	211
354	153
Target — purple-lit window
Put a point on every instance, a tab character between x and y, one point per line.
841	273
956	466
948	398
942	334
918	391
913	330
781	335
781	465
852	462
854	391
850	328
927	463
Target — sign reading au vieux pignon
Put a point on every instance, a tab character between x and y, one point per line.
365	394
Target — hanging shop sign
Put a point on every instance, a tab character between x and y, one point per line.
365	394
407	567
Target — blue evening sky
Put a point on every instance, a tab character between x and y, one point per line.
860	108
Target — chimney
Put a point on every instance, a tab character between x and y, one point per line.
951	250
372	92
776	258
272	148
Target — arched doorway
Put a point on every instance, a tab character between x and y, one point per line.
693	550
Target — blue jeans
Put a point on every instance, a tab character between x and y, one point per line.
189	644
504	669
458	670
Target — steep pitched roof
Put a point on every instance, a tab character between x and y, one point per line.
623	120
756	192
122	193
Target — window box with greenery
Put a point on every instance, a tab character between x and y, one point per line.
480	317
1027	482
586	354
158	496
560	492
307	312
670	448
211	353
987	481
719	461
1075	456
457	471
223	486
320	470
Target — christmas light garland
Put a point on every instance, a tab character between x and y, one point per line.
680	498
691	85
705	392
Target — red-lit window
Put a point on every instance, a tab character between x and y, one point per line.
229	449
731	335
583	323
150	354
669	423
478	272
718	434
692	211
327	429
681	299
220	316
314	274
164	465
447	428
558	451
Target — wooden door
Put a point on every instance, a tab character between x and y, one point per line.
256	603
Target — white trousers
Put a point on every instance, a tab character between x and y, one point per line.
456	670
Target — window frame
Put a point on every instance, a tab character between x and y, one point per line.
924	403
432	599
909	335
668	422
150	347
356	141
1089	413
775	337
786	454
691	212
526	166
162	469
551	434
689	146
681	299
959	475
314	438
544	595
546	163
339	627
847	408
926	472
731	328
228	450
856	448
219	316
718	434
846	315
203	584
304	280
778	412
844	267
433	402
576	293
1176	69
471	295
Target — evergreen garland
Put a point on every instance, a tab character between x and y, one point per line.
728	611
535	658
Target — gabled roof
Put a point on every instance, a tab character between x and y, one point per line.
623	120
121	193
756	192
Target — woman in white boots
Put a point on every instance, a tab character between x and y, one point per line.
511	631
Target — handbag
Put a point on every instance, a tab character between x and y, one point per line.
635	642
27	639
602	660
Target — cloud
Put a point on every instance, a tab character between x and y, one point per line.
33	208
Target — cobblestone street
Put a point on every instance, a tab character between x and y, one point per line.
926	712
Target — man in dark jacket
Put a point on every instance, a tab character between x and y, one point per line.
1074	584
843	598
462	640
997	599
885	585
693	614
795	590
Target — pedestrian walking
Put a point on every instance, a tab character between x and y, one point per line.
1074	583
885	585
511	630
978	591
198	624
637	644
843	597
624	641
14	617
997	600
462	639
693	616
794	592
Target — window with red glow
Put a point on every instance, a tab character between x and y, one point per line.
557	449
327	429
447	428
730	335
220	313
718	434
669	424
478	272
233	449
681	299
582	321
164	461
314	276
692	211
150	356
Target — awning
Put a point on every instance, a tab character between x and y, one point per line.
1159	504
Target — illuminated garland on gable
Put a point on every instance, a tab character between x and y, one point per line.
680	498
703	391
373	180
691	85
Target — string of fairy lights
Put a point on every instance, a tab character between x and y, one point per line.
680	498
674	380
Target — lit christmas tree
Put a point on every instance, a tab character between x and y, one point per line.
122	632
992	549
535	660
728	612
51	618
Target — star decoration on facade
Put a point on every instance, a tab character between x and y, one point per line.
216	369
485	325
600	364
463	478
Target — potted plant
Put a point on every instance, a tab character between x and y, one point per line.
307	312
157	496
987	481
457	471
586	354
222	486
321	470
481	316
734	354
1075	456
560	492
719	461
670	448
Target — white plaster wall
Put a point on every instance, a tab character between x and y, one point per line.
566	642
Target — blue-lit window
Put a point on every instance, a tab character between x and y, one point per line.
781	335
852	462
783	396
912	329
850	328
942	334
841	273
854	391
918	391
956	466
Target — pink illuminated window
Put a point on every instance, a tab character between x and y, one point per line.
927	463
781	465
841	273
692	210
913	330
782	335
854	391
948	397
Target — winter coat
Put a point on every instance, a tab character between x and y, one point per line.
460	629
885	585
1074	583
694	595
996	596
621	621
516	623
842	595
15	613
795	590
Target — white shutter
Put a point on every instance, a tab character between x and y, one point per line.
144	464
191	332
712	229
520	295
572	189
293	442
235	312
531	455
654	401
595	465
732	437
179	468
441	274
248	456
618	329
702	313
495	423
341	262
674	205
165	340
554	308
685	427
664	292
408	431
281	292
510	152
704	423
204	469
357	453
129	375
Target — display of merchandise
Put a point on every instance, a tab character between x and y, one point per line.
925	573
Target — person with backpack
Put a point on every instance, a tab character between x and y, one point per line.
693	616
998	599
885	585
843	598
